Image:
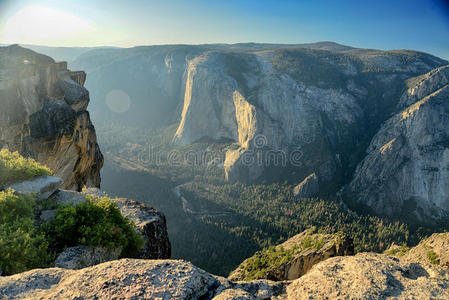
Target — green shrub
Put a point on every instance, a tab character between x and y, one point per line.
22	245
97	222
398	251
433	257
262	262
14	167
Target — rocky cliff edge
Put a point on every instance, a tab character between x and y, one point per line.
43	115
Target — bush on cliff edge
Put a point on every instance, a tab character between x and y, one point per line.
97	222
23	246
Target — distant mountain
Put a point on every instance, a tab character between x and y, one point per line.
304	109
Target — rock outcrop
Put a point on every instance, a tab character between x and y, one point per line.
371	276
149	222
432	250
44	116
294	258
405	172
43	186
309	187
129	279
363	276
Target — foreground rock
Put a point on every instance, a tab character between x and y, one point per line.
432	250
151	224
364	276
43	115
126	279
371	276
293	258
80	257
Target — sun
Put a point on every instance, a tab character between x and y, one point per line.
42	25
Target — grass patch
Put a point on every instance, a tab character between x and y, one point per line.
433	257
14	167
263	261
312	242
397	251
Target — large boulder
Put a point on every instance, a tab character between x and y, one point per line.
43	186
68	197
44	116
133	279
371	276
120	279
151	224
293	258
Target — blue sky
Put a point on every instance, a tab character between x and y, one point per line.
395	24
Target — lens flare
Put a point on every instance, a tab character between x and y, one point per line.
42	25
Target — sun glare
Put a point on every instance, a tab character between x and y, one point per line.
43	25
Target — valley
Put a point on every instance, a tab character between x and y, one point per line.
221	218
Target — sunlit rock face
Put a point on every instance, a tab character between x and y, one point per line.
406	170
304	110
43	115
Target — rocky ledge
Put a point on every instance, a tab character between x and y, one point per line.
44	116
293	258
364	276
410	275
371	276
150	223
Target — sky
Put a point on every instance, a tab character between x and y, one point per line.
379	24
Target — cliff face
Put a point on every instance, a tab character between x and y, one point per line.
406	169
311	110
43	115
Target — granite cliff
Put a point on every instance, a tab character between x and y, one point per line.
405	171
298	108
43	115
